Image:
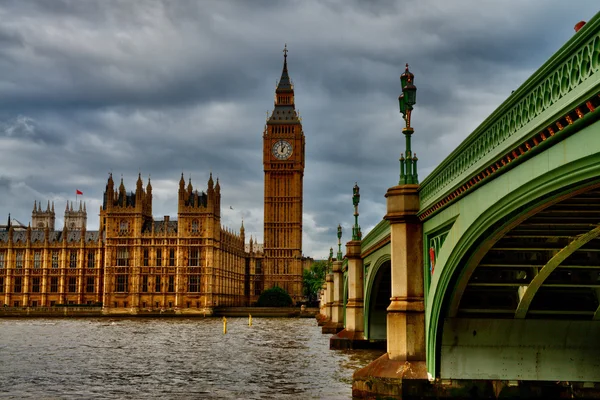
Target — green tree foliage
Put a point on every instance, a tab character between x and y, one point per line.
313	278
275	297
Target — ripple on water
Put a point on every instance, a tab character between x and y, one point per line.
173	358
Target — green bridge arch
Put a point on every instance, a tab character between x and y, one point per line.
476	229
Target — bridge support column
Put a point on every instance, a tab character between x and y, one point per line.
337	317
329	303
402	369
352	337
322	316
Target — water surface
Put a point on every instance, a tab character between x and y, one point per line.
276	358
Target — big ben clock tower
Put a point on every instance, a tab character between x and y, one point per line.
283	160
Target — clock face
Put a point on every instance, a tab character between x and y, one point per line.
282	150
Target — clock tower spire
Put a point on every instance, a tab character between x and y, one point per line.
283	162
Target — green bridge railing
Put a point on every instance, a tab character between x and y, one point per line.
570	76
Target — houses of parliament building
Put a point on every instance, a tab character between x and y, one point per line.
134	263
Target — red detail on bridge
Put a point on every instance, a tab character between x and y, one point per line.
579	25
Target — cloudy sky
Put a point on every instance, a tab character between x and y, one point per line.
165	87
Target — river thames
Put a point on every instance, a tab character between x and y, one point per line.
177	358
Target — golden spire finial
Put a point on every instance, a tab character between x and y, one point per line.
285	51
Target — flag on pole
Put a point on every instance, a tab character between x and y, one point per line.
78	192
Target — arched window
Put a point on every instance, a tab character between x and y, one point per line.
123	226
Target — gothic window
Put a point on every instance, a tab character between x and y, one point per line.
54	284
123	226
171	287
194	283
121	283
35	284
72	284
73	259
90	263
194	257
158	259
157	284
144	283
19	261
122	257
55	259
1	260
18	282
195	226
90	286
258	267
37	260
1	284
146	257
172	257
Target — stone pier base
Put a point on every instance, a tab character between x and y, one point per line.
321	319
349	340
389	379
332	327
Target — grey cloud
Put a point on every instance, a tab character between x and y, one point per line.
165	87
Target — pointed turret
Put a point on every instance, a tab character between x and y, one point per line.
34	206
190	187
284	112
139	186
284	82
48	206
149	198
210	182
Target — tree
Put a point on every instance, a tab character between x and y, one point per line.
274	297
313	278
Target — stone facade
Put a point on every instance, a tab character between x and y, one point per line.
283	159
132	263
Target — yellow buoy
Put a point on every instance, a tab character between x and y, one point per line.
249	319
224	325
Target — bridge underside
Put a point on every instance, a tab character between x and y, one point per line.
547	267
530	309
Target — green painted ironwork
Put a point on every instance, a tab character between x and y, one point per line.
375	235
475	219
408	160
567	77
356	233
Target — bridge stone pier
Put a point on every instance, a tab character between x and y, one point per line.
483	280
352	336
336	323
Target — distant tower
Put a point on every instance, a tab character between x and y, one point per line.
42	219
283	161
75	219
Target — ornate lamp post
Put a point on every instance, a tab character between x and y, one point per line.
339	235
356	234
408	98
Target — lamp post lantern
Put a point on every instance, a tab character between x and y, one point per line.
408	98
339	235
356	234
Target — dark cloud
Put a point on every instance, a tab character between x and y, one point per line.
165	87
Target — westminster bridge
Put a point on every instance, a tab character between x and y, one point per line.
484	279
